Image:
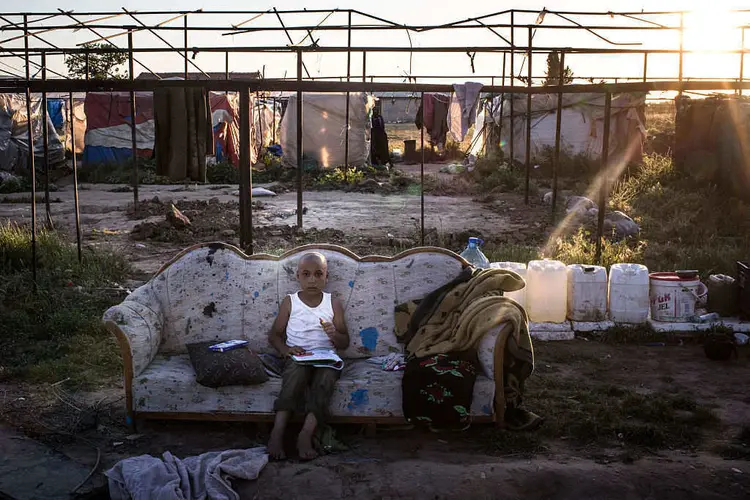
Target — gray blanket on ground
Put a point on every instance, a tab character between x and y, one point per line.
203	477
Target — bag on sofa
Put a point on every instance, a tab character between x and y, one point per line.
218	369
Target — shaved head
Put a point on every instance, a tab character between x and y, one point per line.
313	257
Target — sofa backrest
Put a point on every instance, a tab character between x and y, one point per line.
216	292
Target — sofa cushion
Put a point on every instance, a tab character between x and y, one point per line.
218	369
369	313
169	385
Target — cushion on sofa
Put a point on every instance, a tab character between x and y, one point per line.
219	369
169	385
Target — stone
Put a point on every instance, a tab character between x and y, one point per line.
213	201
177	219
580	205
227	233
622	225
156	200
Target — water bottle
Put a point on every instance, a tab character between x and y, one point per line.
474	255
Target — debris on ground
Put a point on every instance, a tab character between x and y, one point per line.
176	218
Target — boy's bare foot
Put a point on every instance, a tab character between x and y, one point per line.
276	446
305	447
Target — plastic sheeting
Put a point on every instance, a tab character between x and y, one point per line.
324	129
14	134
582	124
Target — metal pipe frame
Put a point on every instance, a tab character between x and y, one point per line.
558	133
307	83
604	176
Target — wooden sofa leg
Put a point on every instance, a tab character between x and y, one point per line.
371	430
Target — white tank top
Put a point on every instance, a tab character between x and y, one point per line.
304	329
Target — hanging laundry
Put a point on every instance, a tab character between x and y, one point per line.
435	117
463	108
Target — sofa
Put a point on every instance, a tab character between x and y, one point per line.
215	292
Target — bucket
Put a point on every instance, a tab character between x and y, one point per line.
674	295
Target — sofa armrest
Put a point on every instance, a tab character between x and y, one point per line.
486	351
138	330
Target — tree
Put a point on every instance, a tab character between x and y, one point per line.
102	66
552	75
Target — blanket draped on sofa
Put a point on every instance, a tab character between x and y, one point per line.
457	315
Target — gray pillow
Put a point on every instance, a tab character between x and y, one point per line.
218	369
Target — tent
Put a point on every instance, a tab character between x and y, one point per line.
13	134
324	126
582	124
108	133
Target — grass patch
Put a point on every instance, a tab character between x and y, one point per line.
607	415
739	447
55	332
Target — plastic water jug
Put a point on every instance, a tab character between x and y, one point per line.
547	294
520	269
587	293
628	293
474	255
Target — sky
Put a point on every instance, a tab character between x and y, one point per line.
708	28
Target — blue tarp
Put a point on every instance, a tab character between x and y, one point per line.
93	155
55	111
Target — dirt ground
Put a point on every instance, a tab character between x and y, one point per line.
364	222
480	463
556	461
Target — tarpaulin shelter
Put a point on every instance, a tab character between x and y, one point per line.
712	141
108	132
582	125
14	134
324	128
107	119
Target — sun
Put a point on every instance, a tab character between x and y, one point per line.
708	29
711	31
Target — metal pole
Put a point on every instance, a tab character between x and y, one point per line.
134	141
86	62
348	75
645	66
299	141
421	177
364	66
45	145
742	56
185	43
682	36
512	80
226	68
75	175
528	120
558	126
603	189
246	221
30	139
502	108
26	48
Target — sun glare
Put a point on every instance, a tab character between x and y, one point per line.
710	29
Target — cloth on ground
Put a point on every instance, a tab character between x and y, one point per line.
184	133
463	108
167	478
457	315
435	117
437	389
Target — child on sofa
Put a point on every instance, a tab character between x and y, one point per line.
309	319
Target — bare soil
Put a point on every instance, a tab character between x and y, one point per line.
365	222
481	463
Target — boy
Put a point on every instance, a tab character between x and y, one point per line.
309	319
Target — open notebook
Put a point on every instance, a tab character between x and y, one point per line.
320	358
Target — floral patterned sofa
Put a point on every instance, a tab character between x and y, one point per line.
215	292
